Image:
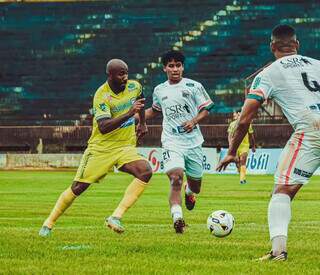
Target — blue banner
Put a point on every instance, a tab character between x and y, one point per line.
263	161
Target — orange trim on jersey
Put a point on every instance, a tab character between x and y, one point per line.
257	92
205	104
294	158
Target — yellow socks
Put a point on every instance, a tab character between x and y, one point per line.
64	201
242	172
132	193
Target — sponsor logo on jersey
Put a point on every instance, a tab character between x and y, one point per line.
190	84
164	98
185	94
124	106
295	62
306	61
302	173
127	123
186	107
177	111
103	107
131	86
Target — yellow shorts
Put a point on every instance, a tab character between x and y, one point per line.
95	165
242	149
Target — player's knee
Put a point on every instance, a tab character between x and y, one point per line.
79	187
176	181
290	190
145	174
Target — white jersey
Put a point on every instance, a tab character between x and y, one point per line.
293	82
179	103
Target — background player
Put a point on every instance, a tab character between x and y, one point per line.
112	143
183	103
293	82
243	150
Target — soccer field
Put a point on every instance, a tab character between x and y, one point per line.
80	243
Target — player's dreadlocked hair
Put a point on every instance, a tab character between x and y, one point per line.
172	55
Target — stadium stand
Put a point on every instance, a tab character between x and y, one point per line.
53	55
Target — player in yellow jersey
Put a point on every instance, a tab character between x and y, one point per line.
112	143
243	150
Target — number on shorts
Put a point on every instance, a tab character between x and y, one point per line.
166	155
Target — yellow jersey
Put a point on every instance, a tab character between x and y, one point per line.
107	104
245	142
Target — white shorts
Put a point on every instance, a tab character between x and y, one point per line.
299	159
190	160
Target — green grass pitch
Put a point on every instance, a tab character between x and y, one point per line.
80	243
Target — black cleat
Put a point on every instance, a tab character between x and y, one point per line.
179	225
283	256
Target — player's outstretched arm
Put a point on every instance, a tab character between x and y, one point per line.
106	125
151	113
189	125
229	138
252	142
249	111
141	128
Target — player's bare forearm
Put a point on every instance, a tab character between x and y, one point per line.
142	128
142	117
189	125
108	125
229	139
200	116
252	141
150	113
239	134
249	111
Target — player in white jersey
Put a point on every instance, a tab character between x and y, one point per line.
293	82
183	103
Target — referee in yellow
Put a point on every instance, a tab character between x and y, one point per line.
112	143
243	150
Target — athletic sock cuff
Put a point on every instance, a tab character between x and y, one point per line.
136	180
70	193
281	197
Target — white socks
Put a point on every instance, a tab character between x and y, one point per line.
279	216
176	212
279	244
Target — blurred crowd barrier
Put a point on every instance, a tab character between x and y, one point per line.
73	139
263	161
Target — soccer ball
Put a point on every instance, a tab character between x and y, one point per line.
220	223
